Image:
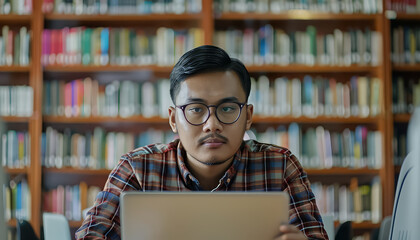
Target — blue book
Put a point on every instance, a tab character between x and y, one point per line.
104	46
307	96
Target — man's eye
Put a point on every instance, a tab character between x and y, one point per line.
228	109
195	110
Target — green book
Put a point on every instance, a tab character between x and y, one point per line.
86	46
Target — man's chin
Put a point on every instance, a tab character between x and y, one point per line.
213	162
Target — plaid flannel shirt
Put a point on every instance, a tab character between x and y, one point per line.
161	167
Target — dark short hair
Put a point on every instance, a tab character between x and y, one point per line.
206	59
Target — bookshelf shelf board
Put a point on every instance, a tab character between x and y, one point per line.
343	171
15	18
321	119
407	68
296	15
15	119
16	171
14	68
361	225
307	69
107	68
12	223
122	18
408	16
88	120
75	224
402	118
79	171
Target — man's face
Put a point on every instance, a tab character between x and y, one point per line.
213	142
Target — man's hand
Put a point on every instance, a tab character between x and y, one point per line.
290	232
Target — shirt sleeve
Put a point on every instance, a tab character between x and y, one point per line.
102	220
303	213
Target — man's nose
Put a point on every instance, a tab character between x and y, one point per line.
212	124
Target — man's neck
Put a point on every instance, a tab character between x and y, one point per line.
207	175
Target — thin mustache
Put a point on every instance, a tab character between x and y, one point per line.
213	135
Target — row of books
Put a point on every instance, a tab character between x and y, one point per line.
16	101
318	96
412	6
15	149
95	149
17	198
322	148
405	45
87	97
70	200
117	46
399	144
16	7
14	46
278	6
268	45
121	6
405	94
356	202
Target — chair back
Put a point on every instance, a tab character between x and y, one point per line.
56	226
385	228
25	230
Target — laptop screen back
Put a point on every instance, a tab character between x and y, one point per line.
198	215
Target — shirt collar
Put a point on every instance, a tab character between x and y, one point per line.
192	183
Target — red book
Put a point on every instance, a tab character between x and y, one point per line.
53	49
59	54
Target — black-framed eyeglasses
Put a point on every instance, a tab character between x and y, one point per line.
198	113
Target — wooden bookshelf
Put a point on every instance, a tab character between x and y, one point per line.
408	16
208	22
402	118
107	68
11	69
89	120
14	119
295	68
296	15
316	120
342	171
12	223
15	19
406	68
123	18
15	171
79	171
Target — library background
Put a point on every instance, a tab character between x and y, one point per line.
82	82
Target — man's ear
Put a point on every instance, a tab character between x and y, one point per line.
172	117
249	113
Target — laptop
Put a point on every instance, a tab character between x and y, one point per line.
203	215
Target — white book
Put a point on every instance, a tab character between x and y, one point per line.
363	91
343	205
294	139
148	99
376	45
110	150
164	97
328	151
376	198
4	150
320	143
23	59
29	93
296	106
264	100
124	99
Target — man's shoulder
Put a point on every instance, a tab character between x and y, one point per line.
153	150
253	146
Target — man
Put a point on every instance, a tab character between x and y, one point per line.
210	92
